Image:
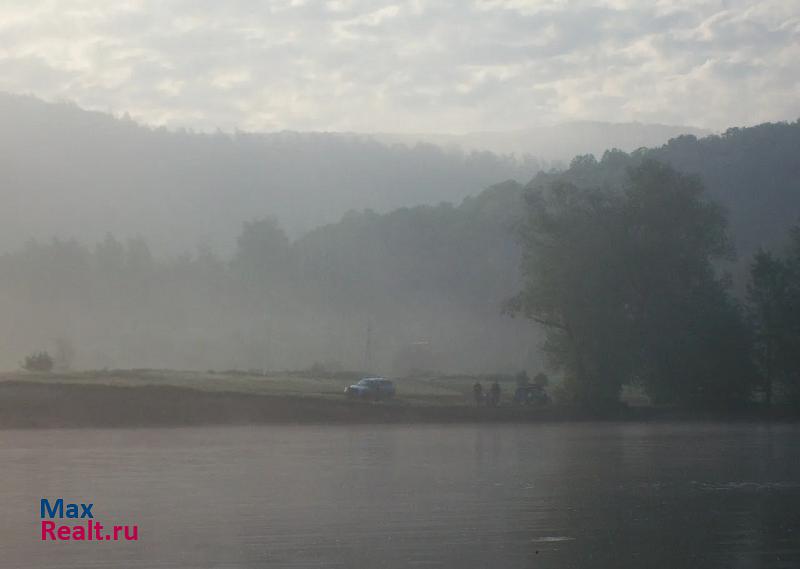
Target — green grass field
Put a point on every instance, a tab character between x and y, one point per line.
449	390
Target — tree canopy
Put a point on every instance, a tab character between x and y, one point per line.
623	278
773	296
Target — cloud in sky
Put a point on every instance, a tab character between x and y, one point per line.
417	65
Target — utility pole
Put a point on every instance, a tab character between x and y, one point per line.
368	350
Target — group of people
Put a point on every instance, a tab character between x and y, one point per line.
488	398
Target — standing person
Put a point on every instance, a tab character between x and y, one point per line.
495	394
477	392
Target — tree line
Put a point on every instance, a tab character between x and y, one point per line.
430	276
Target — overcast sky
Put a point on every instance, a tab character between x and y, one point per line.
419	65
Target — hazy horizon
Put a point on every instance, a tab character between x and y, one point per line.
410	66
422	135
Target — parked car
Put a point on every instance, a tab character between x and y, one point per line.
530	395
375	388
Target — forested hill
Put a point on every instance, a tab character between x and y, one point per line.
753	172
559	142
68	172
459	254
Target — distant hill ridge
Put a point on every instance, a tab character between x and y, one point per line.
557	143
754	172
74	173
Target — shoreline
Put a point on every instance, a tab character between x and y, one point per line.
29	405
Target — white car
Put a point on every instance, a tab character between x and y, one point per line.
371	388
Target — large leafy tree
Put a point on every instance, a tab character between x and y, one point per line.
774	306
623	279
570	262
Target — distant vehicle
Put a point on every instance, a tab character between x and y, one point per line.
530	395
375	388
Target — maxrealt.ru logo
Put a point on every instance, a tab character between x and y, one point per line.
90	530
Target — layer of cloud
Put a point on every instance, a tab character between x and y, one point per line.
417	65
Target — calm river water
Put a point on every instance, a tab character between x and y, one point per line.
467	496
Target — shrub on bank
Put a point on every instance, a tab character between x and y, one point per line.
38	361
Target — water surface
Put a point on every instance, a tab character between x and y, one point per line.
462	496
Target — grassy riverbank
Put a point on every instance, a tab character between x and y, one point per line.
423	391
135	402
131	398
142	398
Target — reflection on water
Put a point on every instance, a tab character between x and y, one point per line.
570	495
